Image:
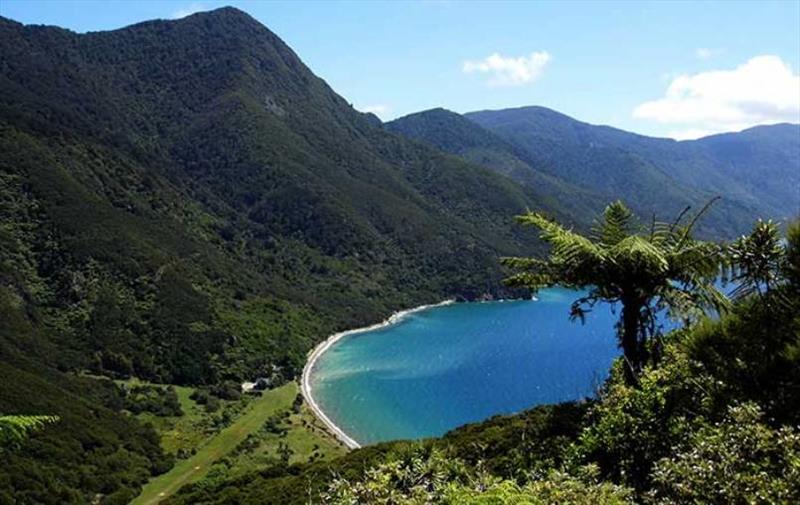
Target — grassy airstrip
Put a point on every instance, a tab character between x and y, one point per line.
303	435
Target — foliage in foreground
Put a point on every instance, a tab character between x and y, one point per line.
424	477
746	356
739	460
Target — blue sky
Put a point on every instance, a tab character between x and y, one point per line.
680	69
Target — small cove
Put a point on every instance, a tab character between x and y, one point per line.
442	367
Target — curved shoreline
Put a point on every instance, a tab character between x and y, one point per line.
305	382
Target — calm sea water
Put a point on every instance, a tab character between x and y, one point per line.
450	365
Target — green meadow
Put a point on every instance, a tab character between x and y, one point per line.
221	454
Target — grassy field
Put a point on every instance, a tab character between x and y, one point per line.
188	431
302	435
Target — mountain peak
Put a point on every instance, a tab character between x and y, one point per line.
446	130
437	112
525	113
224	23
227	12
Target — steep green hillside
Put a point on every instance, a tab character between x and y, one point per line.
91	449
185	202
161	178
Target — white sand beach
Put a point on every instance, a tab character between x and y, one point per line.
325	345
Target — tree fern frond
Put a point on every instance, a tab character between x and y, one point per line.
696	261
655	269
678	219
687	232
638	252
15	428
616	224
758	259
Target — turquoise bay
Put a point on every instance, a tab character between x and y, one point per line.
446	366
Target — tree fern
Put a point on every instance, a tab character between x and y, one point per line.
645	270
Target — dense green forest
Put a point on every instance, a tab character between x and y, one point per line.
185	203
172	184
186	206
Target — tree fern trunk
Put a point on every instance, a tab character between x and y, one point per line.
629	338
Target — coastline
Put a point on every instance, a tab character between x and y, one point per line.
319	350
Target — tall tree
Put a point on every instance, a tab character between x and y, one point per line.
644	270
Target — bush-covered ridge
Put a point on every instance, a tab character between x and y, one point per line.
583	166
755	171
193	167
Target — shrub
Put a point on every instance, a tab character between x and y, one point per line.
631	428
739	460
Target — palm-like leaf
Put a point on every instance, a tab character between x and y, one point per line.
573	262
615	226
637	254
757	259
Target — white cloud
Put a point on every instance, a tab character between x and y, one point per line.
188	11
378	109
509	71
763	90
705	53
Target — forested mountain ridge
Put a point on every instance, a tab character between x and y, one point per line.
454	133
763	160
185	202
205	145
755	171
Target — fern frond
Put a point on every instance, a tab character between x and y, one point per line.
638	253
14	429
616	224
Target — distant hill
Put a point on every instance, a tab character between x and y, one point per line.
764	161
757	171
456	134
